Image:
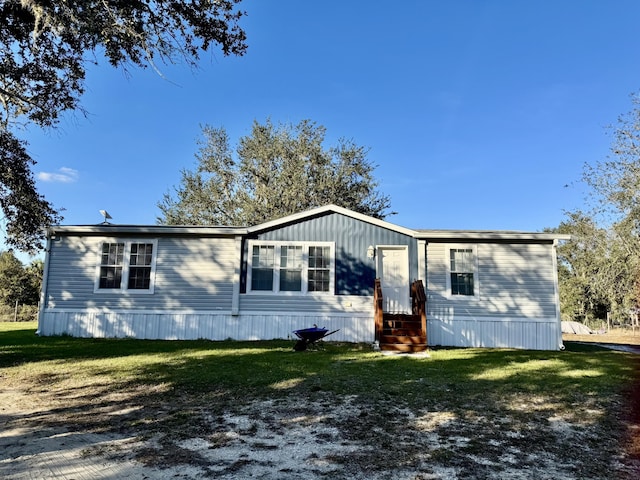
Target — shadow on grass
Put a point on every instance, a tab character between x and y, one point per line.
174	388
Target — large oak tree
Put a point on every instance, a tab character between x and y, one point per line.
274	171
45	46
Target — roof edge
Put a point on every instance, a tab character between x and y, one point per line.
143	229
488	235
331	208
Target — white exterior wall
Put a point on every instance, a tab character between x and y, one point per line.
167	325
196	296
515	303
195	273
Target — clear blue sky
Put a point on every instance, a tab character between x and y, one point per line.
477	113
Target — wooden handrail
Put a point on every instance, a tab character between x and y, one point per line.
419	302
378	309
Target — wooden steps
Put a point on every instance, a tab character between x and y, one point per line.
401	332
403	347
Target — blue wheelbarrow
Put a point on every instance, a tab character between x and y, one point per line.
309	336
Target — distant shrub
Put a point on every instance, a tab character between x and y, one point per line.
26	313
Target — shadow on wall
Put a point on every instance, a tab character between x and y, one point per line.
515	282
354	276
189	274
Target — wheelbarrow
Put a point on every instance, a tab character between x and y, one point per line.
309	336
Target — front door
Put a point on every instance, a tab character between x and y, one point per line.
393	271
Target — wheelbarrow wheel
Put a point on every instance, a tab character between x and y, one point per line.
300	346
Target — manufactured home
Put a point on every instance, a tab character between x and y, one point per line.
399	288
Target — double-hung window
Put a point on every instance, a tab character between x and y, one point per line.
126	265
291	267
462	271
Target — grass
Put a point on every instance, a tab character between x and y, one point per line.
498	393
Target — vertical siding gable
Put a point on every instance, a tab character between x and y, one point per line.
355	272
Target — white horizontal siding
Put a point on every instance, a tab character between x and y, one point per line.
201	325
306	303
191	273
514	280
515	302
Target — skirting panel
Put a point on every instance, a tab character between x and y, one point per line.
197	325
530	334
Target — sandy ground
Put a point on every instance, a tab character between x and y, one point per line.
323	438
285	443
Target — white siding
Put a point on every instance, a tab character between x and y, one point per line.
493	332
348	304
202	325
193	298
514	305
191	273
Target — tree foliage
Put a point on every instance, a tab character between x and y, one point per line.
275	171
600	267
584	268
19	283
44	49
25	210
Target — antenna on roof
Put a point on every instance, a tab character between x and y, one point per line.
106	216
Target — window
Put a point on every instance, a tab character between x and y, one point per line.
262	267
140	266
319	269
126	266
292	268
462	271
111	265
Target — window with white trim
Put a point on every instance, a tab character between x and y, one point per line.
291	267
462	278
126	265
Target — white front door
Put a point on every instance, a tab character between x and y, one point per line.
393	271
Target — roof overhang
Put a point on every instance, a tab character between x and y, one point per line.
486	235
110	229
107	229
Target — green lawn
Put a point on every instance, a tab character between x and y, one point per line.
492	396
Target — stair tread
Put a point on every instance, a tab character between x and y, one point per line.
403	347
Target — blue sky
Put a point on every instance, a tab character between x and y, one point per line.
479	114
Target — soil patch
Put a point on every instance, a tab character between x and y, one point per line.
310	436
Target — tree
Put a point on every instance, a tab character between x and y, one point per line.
17	283
602	262
275	171
615	182
582	269
44	48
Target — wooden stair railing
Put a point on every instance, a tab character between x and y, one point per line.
377	308
419	304
401	332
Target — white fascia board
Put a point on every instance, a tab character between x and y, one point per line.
143	230
296	217
488	235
